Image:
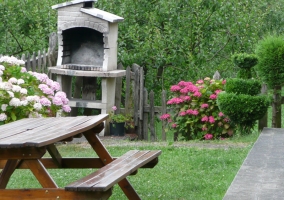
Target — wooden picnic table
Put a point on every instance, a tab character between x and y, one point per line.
24	143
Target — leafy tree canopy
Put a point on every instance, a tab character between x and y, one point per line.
172	39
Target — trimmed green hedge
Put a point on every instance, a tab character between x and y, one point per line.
243	109
244	60
242	86
270	67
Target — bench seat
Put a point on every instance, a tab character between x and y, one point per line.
104	178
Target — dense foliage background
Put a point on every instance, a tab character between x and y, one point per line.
172	39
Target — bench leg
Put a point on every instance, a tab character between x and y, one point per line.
7	172
106	158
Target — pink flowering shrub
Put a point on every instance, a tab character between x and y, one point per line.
28	94
195	114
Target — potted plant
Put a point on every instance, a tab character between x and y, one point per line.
117	123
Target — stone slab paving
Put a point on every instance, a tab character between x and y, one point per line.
261	176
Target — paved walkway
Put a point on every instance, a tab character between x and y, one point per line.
261	176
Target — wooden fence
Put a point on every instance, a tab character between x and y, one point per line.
43	59
139	103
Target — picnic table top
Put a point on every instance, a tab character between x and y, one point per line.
40	132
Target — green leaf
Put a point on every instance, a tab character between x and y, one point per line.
13	116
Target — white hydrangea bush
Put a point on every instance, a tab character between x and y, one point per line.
28	94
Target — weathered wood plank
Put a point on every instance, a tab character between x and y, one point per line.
145	116
39	62
106	177
7	172
28	66
53	152
56	130
164	111
74	163
47	194
40	173
23	153
152	117
136	97
34	62
104	155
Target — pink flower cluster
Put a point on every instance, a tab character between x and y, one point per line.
51	88
208	136
195	108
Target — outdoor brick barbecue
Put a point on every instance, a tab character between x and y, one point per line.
87	49
87	37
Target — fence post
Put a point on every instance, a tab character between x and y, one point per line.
152	117
164	111
136	96
127	90
34	62
145	117
39	63
28	66
263	121
141	103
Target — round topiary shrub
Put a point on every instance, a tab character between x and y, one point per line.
245	62
270	67
243	86
242	109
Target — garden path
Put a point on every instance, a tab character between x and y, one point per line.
261	175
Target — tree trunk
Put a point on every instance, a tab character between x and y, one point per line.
276	107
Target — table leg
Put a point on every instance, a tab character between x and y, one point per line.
105	156
41	173
7	172
54	153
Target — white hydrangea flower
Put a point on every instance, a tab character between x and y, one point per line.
15	102
24	91
33	98
24	102
6	86
20	81
11	94
13	80
37	106
3	117
12	60
3	107
16	88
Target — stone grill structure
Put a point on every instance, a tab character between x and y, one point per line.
87	37
87	49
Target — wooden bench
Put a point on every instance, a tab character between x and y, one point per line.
23	144
104	178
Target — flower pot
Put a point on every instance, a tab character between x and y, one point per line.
117	129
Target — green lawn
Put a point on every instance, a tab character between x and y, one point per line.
186	170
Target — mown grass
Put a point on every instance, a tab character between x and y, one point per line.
183	172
